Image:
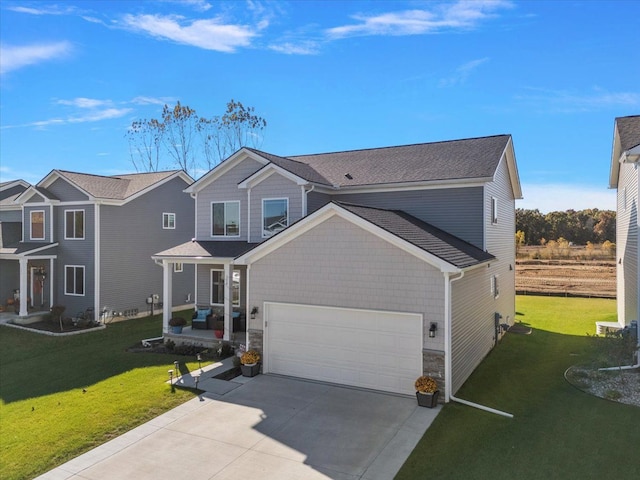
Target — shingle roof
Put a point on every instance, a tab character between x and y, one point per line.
118	187
629	131
431	239
300	169
439	161
208	249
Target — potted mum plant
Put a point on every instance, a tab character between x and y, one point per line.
427	391
250	365
176	324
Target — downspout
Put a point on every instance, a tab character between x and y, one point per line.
305	199
447	354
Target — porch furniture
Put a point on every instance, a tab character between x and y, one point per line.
202	319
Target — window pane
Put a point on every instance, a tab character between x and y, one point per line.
68	224
275	216
37	225
235	288
70	279
217	287
218	219
79	230
232	218
79	281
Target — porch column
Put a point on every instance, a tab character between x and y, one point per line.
51	277
167	292
228	281
23	288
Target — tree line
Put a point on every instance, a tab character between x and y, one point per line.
578	227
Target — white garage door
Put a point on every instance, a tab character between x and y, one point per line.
363	348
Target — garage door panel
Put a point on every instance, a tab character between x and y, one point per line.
369	349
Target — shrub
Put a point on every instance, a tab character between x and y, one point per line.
177	322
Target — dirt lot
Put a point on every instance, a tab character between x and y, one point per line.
566	277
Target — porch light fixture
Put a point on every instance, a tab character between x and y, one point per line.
254	311
432	329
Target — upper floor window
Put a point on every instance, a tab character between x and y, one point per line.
169	221
225	219
178	267
275	215
74	224
74	280
37	225
494	210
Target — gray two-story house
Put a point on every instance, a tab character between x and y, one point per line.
85	243
366	268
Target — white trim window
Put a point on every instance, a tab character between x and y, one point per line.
169	221
74	280
225	219
275	215
37	227
217	287
74	224
495	286
494	210
235	288
178	267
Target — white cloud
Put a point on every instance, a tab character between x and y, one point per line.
43	10
561	197
462	73
564	101
82	102
16	57
209	34
142	100
291	48
464	14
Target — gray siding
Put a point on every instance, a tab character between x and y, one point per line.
339	264
457	210
224	189
9	192
500	240
65	192
130	235
627	243
474	304
472	324
275	186
316	200
75	252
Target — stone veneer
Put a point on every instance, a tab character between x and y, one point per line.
433	366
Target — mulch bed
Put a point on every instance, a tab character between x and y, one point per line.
520	329
48	326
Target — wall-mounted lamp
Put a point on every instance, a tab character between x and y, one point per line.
433	327
254	311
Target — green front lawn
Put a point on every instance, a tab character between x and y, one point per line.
558	432
63	396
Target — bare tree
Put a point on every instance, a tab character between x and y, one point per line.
176	133
145	141
222	136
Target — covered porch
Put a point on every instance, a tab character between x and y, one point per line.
26	271
221	289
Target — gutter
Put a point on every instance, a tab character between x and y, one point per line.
448	396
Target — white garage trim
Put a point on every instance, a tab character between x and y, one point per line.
372	349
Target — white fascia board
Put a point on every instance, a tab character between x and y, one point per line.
14	183
512	167
161	259
268	170
223	167
328	211
29	193
616	159
403	187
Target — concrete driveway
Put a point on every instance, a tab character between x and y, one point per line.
269	427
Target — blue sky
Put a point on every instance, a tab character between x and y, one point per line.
327	76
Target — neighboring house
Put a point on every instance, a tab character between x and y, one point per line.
366	268
85	242
10	233
624	176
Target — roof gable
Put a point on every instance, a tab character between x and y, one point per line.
118	188
626	137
